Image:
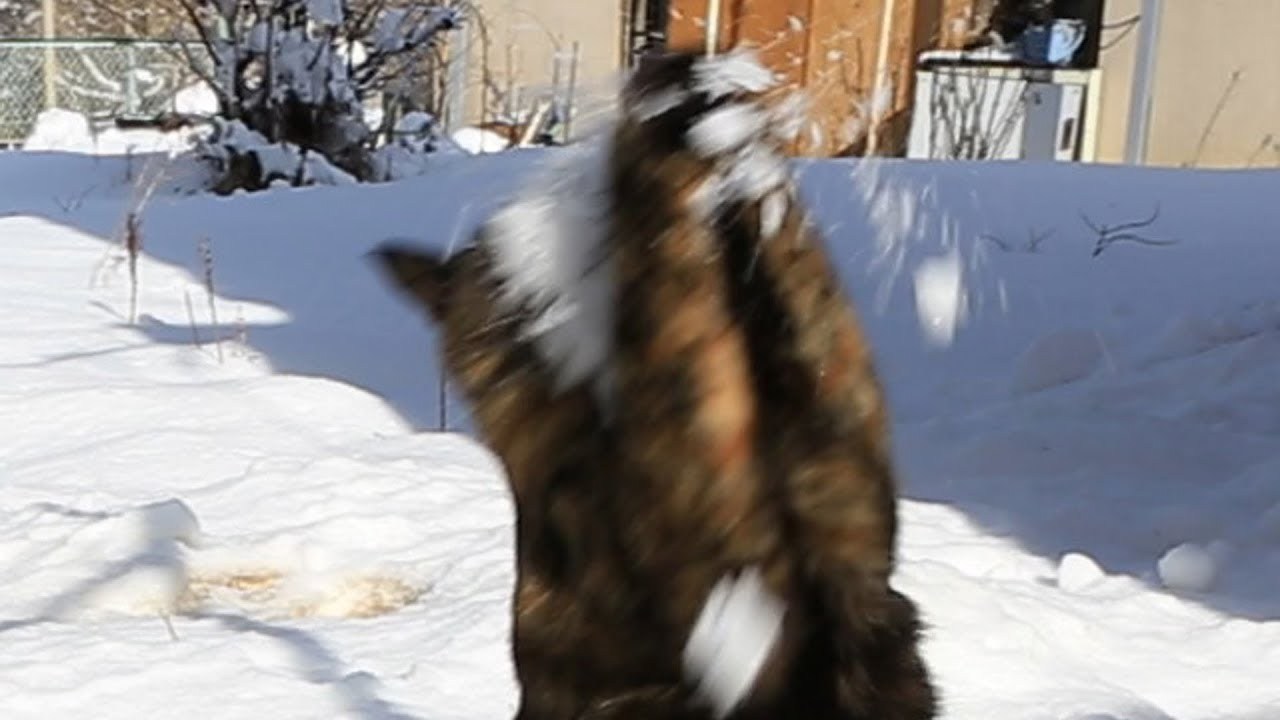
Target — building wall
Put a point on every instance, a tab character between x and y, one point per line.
1200	116
515	52
830	49
1117	63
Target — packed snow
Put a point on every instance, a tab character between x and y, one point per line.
478	141
732	72
940	301
64	130
732	638
1090	463
548	247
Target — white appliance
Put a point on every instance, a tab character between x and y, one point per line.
1003	112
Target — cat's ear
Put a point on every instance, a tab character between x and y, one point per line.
421	274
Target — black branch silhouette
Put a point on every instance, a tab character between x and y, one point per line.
1108	235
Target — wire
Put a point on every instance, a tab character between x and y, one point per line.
1125	27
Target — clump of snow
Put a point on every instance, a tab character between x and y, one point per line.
737	71
740	137
727	128
197	99
1187	567
941	300
142	551
355	54
58	129
66	131
1058	358
548	248
164	520
415	122
479	141
416	142
894	212
732	638
654	104
1078	572
881	101
280	162
755	172
752	172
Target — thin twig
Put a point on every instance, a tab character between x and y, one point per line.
1213	117
1035	238
1124	232
191	319
205	247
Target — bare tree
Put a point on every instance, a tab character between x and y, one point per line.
297	72
88	19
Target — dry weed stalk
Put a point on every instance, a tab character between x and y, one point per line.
191	319
205	247
133	246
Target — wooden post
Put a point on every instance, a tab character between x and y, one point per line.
1144	78
713	26
49	20
571	92
875	102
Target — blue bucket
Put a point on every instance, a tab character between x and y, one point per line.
1052	44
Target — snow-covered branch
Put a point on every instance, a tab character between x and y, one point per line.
298	72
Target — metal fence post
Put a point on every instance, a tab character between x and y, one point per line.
49	21
1144	79
132	103
571	92
456	78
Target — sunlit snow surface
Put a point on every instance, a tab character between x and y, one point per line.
1091	463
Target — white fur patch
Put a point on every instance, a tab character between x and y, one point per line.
736	631
548	248
740	136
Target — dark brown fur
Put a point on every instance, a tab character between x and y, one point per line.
576	601
750	430
775	332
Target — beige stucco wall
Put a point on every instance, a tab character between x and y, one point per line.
1117	64
1202	43
523	37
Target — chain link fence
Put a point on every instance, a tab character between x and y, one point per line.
101	79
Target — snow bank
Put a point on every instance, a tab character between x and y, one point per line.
197	99
57	129
67	131
478	141
349	565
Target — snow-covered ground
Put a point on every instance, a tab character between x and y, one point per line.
1065	420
